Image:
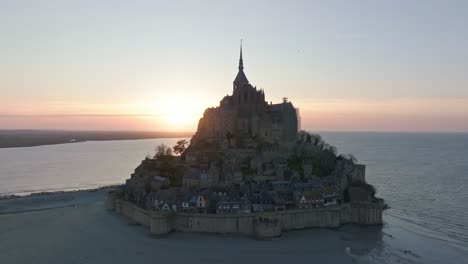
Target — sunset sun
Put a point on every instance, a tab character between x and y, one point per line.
182	115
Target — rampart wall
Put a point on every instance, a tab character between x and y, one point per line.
161	223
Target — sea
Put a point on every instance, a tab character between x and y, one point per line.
423	177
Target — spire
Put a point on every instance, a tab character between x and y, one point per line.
241	61
241	78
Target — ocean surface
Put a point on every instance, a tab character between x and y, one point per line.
423	177
72	166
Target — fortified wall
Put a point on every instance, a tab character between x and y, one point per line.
258	225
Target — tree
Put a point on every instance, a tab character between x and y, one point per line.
180	147
162	150
168	152
306	137
349	157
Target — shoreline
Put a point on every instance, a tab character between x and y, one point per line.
63	191
35	138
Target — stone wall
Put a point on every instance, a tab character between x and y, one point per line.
248	224
130	211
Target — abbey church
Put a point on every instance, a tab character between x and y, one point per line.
244	118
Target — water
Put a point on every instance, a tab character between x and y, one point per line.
423	177
72	166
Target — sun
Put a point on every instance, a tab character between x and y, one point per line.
180	117
178	113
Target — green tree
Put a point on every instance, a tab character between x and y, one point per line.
180	147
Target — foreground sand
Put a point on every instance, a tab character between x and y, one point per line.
76	228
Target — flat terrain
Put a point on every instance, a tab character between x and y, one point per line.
75	227
30	138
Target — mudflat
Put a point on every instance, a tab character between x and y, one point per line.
76	227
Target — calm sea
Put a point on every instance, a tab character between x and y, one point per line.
423	177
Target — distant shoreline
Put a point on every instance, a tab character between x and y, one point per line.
33	138
65	191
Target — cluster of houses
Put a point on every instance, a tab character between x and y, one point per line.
278	195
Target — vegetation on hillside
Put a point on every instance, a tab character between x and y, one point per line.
312	149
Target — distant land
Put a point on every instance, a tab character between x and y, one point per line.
30	138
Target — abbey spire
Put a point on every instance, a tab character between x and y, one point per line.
241	62
240	78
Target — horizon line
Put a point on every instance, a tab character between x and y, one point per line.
192	132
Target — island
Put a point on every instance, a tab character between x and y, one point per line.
248	169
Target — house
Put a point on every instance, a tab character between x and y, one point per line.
158	204
220	193
267	201
286	198
329	193
186	206
306	186
329	198
199	202
280	185
257	207
310	199
166	207
232	207
256	202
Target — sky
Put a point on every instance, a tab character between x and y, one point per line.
156	65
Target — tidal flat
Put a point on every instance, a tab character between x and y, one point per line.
75	227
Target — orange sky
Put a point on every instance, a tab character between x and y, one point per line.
156	65
316	115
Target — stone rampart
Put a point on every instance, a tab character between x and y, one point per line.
161	223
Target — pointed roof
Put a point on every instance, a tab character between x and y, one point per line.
241	78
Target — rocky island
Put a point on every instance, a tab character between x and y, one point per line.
248	169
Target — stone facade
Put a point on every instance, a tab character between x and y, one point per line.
244	118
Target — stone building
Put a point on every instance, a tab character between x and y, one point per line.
244	119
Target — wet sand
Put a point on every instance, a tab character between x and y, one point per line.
75	227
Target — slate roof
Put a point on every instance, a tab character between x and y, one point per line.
241	78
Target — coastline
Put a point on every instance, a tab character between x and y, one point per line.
63	191
34	138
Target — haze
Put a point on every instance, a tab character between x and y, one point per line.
156	65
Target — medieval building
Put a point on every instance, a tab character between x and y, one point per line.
244	119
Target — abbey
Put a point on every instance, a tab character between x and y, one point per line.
248	170
244	118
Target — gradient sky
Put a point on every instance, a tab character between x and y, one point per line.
156	65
